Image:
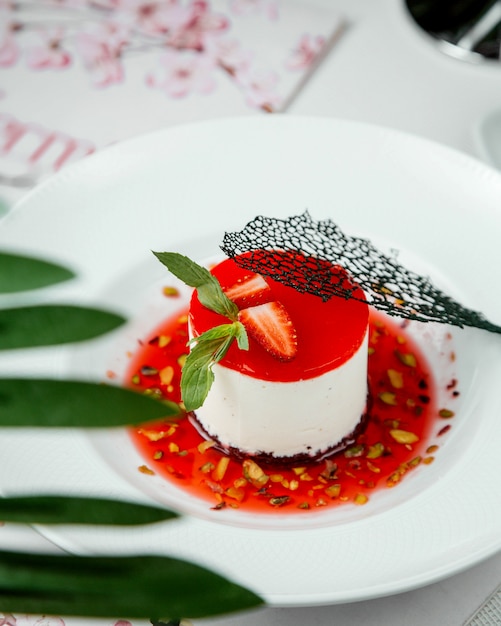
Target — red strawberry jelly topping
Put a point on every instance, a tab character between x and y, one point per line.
327	333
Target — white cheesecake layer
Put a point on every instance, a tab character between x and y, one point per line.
284	419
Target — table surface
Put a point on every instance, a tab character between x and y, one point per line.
384	71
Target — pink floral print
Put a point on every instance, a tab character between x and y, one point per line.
259	88
306	52
198	25
249	7
189	43
9	49
49	54
101	52
180	74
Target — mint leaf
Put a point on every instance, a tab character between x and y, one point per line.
209	348
241	336
208	288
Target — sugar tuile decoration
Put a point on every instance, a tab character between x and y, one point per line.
388	285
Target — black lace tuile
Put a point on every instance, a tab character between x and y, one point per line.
300	253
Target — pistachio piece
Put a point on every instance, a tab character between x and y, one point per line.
375	451
396	378
354	451
205	445
279	500
403	436
253	473
406	358
360	499
170	292
388	397
333	491
235	493
221	467
166	375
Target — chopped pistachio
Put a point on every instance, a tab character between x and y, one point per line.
388	397
276	478
306	477
279	500
375	451
406	358
164	340
403	436
221	467
153	435
253	473
360	499
333	491
396	378
170	292
166	375
236	493
393	479
330	470
205	445
207	467
354	451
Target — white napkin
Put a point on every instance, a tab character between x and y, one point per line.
77	75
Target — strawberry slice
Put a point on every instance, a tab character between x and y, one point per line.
271	326
249	290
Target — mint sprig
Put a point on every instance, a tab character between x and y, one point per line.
212	345
208	288
207	349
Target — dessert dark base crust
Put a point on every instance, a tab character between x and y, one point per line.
268	458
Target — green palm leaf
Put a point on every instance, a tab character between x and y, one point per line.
133	587
51	324
35	402
50	509
22	273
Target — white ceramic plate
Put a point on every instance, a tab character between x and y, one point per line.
487	138
180	190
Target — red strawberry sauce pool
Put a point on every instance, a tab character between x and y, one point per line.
404	416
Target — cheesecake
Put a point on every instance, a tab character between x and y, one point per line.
299	392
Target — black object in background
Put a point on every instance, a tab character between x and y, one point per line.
451	20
